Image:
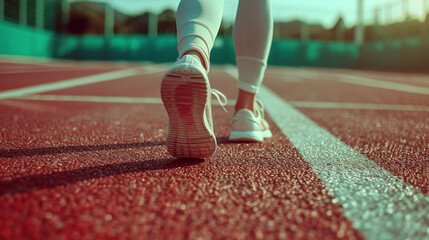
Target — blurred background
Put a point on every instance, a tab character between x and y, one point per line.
360	34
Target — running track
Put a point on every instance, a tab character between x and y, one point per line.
83	156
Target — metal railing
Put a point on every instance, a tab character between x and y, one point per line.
53	15
40	14
400	10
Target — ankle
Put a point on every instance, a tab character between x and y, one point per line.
197	55
245	100
251	108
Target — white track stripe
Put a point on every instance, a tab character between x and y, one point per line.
358	80
26	59
47	70
102	99
364	106
98	99
376	202
382	84
75	82
231	102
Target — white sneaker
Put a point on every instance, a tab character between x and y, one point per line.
186	93
250	127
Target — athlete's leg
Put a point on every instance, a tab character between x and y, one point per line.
185	87
252	41
252	35
198	23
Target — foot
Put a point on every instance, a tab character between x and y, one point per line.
186	94
250	126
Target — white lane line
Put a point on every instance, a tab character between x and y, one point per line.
102	99
413	78
25	59
231	102
47	70
363	106
98	99
382	84
357	80
54	62
293	80
77	82
376	202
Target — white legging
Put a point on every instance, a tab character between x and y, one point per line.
198	23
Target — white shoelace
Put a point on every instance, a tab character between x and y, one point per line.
260	108
220	96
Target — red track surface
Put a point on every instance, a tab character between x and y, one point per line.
86	170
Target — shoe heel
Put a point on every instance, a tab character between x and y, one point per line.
185	96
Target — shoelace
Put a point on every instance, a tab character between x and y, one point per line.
260	108
220	96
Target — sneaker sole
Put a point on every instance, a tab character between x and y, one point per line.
184	92
250	136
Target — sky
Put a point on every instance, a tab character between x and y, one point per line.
325	12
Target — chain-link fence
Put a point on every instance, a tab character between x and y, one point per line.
395	11
40	14
377	20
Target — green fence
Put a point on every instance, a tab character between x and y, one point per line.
410	54
291	52
396	55
125	47
16	39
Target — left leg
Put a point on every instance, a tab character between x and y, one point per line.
252	36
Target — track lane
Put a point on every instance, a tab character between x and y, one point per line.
396	141
333	91
350	176
413	79
87	167
274	167
147	85
10	81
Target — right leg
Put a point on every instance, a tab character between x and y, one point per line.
253	32
198	23
185	88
